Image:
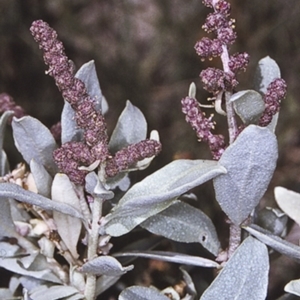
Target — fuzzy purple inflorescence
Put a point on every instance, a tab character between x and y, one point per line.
203	126
276	92
8	103
73	155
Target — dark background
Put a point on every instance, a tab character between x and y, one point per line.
143	51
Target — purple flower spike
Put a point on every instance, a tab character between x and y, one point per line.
203	126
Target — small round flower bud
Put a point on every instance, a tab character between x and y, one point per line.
215	21
239	62
223	7
227	35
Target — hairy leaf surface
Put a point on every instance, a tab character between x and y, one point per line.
157	191
245	275
183	223
250	163
141	293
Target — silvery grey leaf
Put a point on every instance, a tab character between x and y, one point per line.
267	70
29	283
289	202
130	129
293	287
173	257
14	266
95	187
7	227
190	287
141	293
69	128
42	178
68	227
272	219
157	191
4	167
52	293
11	190
250	163
104	265
34	141
76	297
245	275
5	294
88	75
183	223
274	241
249	105
104	282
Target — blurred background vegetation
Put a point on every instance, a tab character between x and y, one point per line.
144	52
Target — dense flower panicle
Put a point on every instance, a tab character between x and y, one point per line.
73	155
208	3
216	80
129	156
276	92
208	48
203	126
70	156
239	62
8	103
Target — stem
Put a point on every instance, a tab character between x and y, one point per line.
234	238
231	121
93	240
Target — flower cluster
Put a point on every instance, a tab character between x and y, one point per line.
203	126
220	24
73	155
8	103
276	92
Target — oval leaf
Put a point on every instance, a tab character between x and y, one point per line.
250	162
88	75
7	227
141	293
249	105
245	275
293	287
267	70
183	223
274	241
69	128
34	141
42	179
130	129
68	227
289	202
52	293
11	190
104	265
173	257
157	191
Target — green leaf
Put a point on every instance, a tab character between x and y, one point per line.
250	163
34	141
245	275
249	105
157	191
183	223
131	128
